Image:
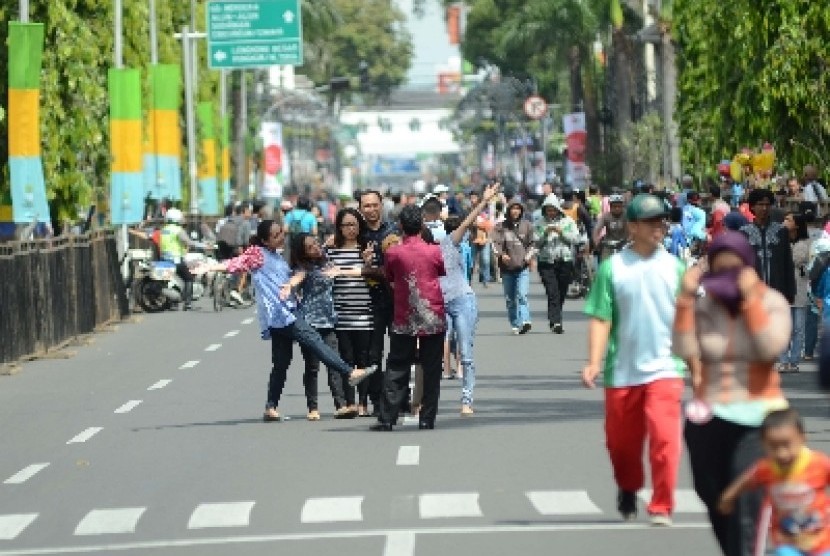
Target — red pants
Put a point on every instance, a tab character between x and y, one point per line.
631	414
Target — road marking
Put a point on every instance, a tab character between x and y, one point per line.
409	455
232	333
109	522
25	474
685	501
562	502
85	435
213	347
129	406
189	365
248	321
13	524
328	510
160	384
410	420
231	514
364	534
459	504
399	543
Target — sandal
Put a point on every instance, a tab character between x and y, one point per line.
467	411
363	411
271	414
313	415
359	375
346	412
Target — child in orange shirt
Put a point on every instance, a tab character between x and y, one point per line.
795	479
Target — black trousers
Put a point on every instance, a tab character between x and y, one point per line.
719	452
312	368
403	350
354	349
556	277
382	315
184	273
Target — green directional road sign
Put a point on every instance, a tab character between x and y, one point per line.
254	34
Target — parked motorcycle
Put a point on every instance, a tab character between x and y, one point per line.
160	288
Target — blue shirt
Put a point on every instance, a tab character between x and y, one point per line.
694	222
272	311
454	284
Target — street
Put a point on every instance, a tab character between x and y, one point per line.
150	441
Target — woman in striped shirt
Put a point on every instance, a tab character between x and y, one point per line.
352	300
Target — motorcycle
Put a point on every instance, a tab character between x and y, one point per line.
161	288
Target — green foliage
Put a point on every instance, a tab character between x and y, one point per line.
753	71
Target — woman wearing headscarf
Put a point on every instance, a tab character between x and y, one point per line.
513	247
731	337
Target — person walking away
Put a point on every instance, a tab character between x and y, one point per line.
413	269
813	191
594	202
173	245
481	244
771	241
801	246
555	237
795	480
631	308
694	223
315	277
512	246
730	338
300	220
276	307
676	242
611	230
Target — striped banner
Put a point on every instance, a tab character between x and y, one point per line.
163	141
28	188
208	194
225	177
127	178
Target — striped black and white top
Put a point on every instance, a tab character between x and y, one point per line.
352	301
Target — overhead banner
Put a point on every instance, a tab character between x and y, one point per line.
208	194
127	177
275	174
28	188
577	172
163	142
225	175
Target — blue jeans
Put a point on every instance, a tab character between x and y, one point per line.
481	255
793	354
516	284
810	333
793	551
462	318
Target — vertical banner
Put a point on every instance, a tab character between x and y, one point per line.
274	174
25	166
208	194
163	142
127	178
577	172
225	176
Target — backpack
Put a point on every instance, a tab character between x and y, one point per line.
229	232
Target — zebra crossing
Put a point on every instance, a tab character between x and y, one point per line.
341	509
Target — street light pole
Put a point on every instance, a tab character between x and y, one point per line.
24	11
118	59
190	117
154	42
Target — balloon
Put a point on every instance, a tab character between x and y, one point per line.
736	170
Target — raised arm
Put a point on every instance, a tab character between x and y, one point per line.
489	193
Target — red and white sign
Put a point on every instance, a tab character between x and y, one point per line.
576	139
535	107
274	163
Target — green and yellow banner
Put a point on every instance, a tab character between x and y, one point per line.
225	177
208	194
163	140
127	178
25	165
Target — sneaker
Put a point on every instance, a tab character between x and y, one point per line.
237	297
346	412
661	520
358	376
313	415
557	328
515	331
525	328
627	504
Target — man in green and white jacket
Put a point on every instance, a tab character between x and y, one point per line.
555	235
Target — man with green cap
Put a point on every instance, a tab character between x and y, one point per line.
631	306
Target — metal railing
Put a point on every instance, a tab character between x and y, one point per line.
53	291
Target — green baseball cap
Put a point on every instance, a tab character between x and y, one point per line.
645	207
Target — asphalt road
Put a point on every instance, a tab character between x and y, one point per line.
150	441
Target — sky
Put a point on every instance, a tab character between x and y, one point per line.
431	42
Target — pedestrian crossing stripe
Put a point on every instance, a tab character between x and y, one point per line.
340	509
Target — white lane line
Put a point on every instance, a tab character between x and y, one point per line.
399	543
129	406
409	455
444	505
232	333
189	365
160	384
329	510
363	534
12	525
213	347
685	501
230	514
85	435
109	522
248	321
25	474
563	502
410	420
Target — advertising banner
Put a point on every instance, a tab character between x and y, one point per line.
273	164
577	172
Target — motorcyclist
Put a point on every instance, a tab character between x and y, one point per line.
613	224
173	245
